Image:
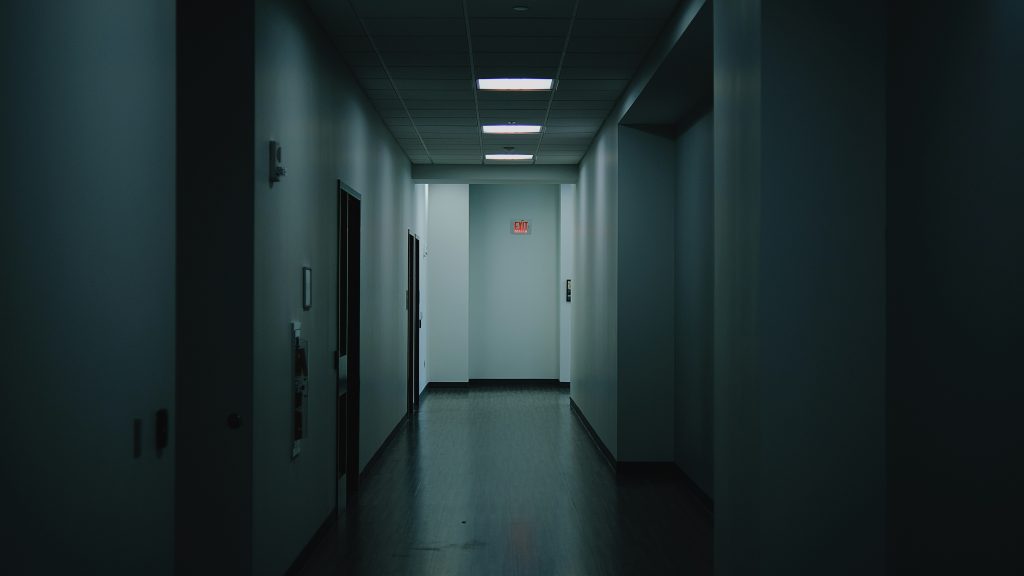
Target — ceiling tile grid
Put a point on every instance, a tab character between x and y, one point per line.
417	61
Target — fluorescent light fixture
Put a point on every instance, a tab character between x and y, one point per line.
509	156
511	129
515	83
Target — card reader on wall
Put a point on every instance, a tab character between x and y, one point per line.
300	387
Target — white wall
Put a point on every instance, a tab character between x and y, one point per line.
595	332
694	302
87	246
308	101
595	289
954	282
646	284
421	211
566	251
448	283
513	282
800	287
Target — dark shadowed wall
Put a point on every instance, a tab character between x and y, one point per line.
87	221
799	404
955	280
694	301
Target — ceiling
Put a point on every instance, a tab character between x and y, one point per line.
414	60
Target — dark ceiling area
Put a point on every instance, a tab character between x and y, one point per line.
683	87
418	60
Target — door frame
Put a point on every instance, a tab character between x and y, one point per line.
413	323
346	357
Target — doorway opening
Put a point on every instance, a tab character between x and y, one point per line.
347	353
415	323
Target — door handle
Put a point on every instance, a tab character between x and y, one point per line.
162	430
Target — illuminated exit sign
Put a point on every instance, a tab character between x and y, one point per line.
520	227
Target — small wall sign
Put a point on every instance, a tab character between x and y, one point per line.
520	227
307	288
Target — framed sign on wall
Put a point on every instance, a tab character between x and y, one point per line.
520	226
307	288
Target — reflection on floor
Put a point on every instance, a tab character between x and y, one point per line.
486	481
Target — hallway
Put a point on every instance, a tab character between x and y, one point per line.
502	480
765	256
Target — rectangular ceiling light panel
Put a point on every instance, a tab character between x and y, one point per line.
515	83
511	129
509	156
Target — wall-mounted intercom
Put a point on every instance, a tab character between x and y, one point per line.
276	170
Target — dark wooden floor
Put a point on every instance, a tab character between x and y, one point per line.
486	481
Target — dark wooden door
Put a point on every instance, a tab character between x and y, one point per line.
412	307
347	354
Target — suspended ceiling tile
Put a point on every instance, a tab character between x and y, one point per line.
548	148
512	116
464	112
612	28
516	72
436	104
537	9
413	84
523	45
568	114
460	73
513	105
454	131
544	159
407	8
627	61
457	159
387	44
518	140
580	123
605	45
513	98
571	94
423	59
571	129
567	104
438	144
613	9
416	68
415	27
614	85
514	59
436	95
517	30
446	121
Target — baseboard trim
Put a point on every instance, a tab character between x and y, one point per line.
609	459
486	382
644	468
300	561
526	382
383	446
445	384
